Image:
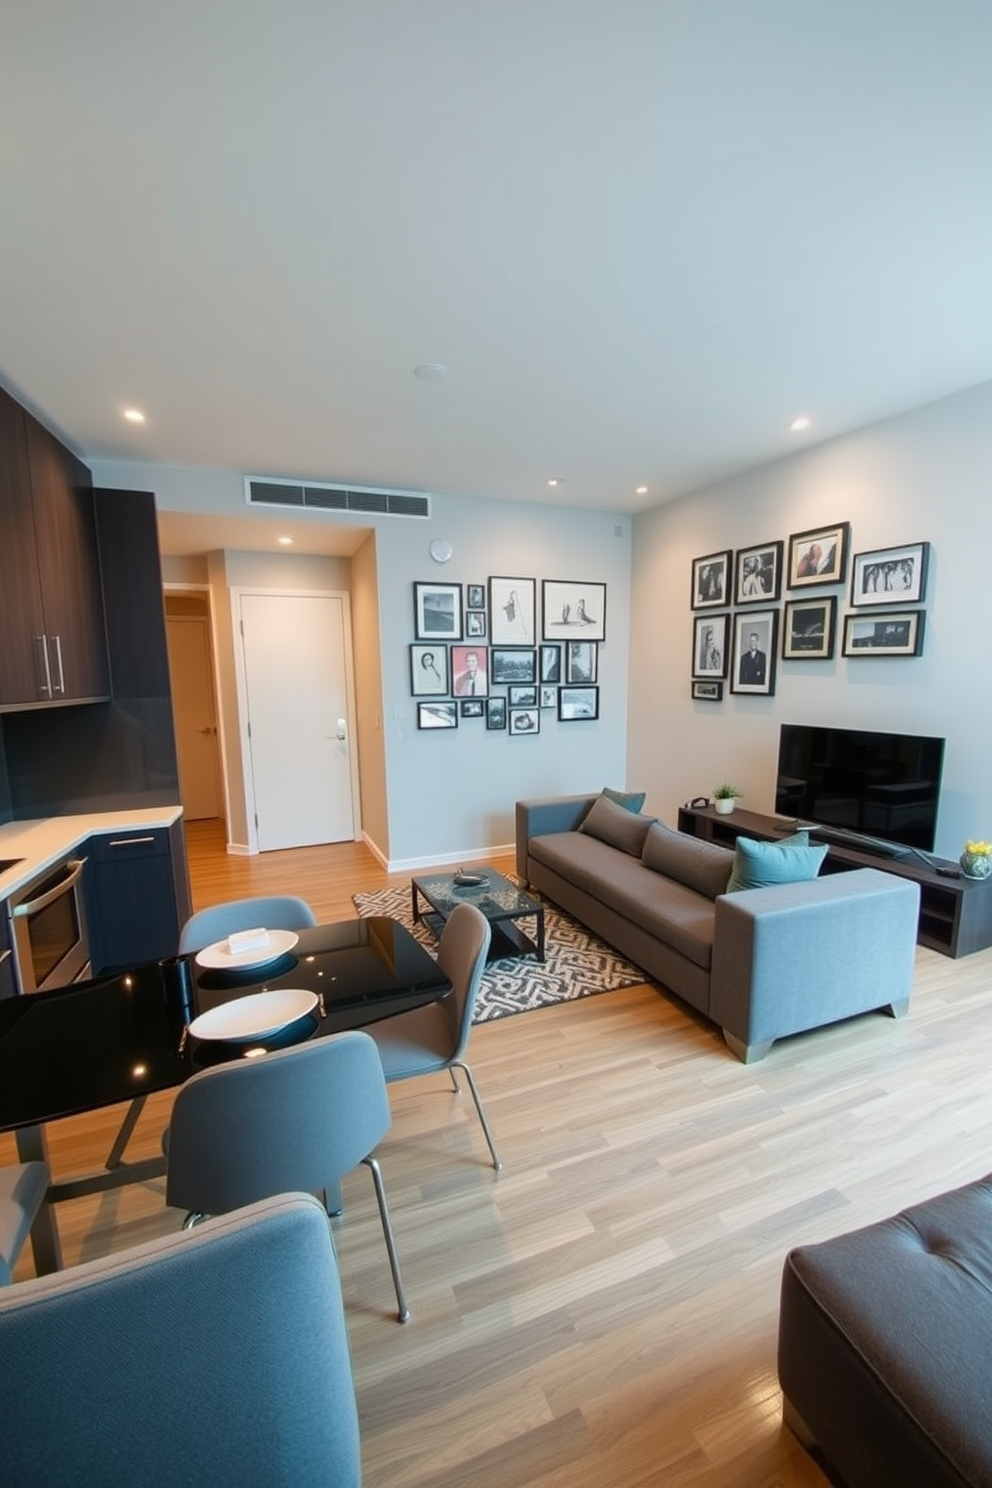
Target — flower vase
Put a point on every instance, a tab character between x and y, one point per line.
976	865
723	804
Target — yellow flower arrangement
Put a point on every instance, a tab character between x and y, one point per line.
979	849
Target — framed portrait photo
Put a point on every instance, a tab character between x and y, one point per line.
523	720
890	576
512	611
475	596
549	697
709	646
429	671
707	692
513	664
437	612
475	623
759	574
755	650
711	580
818	556
578	704
581	661
573	610
551	664
896	634
469	671
496	713
437	715
808	628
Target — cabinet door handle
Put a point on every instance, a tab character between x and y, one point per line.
128	841
46	686
58	657
5	956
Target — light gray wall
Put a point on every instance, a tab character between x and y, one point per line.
925	476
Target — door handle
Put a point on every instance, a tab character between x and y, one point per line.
46	686
58	657
342	729
207	730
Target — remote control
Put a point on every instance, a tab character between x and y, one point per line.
949	872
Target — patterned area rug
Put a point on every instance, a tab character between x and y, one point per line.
576	964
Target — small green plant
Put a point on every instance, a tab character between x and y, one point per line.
726	792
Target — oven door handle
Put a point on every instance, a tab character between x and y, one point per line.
31	906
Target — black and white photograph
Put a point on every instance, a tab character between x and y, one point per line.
572	609
818	556
522	697
884	635
496	713
472	707
549	697
808	627
475	596
707	692
577	704
711	580
475	623
512	611
581	661
437	612
437	715
429	671
890	576
551	664
755	648
469	671
709	646
513	664
524	720
759	573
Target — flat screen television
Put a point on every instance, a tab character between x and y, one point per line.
882	787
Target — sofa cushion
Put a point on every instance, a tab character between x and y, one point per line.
629	800
699	865
613	824
760	864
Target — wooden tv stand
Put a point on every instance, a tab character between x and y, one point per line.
955	913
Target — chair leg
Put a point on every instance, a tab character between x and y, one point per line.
478	1106
454	1079
194	1217
387	1230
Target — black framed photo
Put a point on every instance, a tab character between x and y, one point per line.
513	664
709	646
437	612
581	661
808	628
574	609
759	574
707	692
551	664
522	697
755	649
429	671
472	707
890	576
475	596
524	720
437	715
496	713
818	556
896	634
711	580
469	671
577	704
549	697
475	623
512	611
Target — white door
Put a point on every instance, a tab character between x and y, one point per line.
297	704
191	678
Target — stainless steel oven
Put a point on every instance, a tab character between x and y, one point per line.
48	929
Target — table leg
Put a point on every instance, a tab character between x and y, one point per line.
45	1244
540	934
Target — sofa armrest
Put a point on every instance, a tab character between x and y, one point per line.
798	956
547	814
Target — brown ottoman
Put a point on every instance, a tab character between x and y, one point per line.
885	1346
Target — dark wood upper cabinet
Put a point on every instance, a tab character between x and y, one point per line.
22	621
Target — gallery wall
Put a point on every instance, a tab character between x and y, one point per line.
923	477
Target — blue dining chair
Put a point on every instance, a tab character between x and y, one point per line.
22	1192
273	912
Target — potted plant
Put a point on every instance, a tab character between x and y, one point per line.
724	797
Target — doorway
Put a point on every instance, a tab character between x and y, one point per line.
194	704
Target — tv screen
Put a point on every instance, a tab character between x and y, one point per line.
884	786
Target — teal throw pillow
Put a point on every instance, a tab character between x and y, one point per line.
757	865
629	800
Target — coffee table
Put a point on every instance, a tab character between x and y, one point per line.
502	903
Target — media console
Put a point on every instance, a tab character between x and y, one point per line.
955	913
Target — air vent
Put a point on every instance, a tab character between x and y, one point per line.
323	496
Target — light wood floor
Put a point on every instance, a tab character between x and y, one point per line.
603	1313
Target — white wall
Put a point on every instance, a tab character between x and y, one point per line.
926	476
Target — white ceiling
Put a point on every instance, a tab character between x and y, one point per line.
642	235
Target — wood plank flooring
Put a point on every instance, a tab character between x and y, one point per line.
603	1313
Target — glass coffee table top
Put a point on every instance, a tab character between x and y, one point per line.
500	900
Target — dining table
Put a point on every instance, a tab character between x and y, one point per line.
116	1039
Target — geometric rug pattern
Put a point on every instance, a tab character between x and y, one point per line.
577	963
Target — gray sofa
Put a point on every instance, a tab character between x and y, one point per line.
761	963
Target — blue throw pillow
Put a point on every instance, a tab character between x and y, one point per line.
757	865
629	800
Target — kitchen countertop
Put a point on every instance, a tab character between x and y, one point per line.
42	844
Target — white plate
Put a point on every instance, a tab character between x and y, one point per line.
255	1016
220	957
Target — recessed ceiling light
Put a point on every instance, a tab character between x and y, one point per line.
134	415
641	491
802	422
287	542
431	372
554	480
